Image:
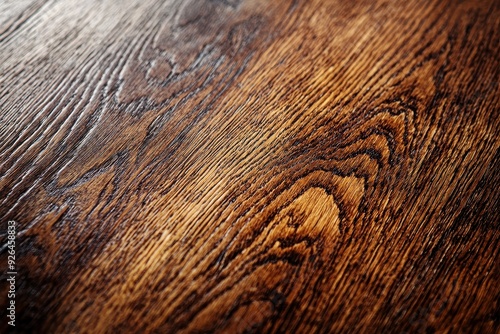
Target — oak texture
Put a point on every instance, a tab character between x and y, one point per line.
239	166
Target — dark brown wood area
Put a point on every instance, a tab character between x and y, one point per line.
249	166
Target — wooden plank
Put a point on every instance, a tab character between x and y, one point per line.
251	166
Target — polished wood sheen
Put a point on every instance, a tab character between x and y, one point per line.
249	166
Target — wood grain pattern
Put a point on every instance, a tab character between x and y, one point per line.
248	166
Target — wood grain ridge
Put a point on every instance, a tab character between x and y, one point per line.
246	166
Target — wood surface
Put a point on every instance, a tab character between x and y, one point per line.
238	166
